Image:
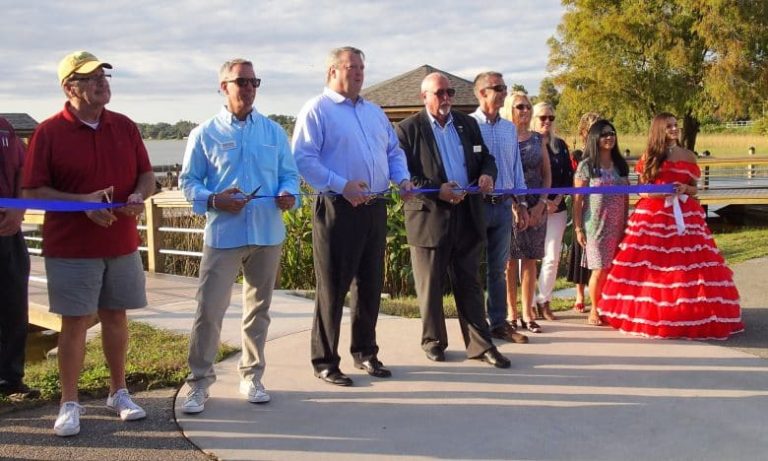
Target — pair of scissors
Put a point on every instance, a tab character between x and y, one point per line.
253	195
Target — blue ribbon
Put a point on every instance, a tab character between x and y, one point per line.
62	205
55	205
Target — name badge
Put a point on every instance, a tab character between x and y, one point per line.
477	149
228	145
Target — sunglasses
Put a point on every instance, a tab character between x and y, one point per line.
608	134
242	81
451	92
544	118
522	107
497	88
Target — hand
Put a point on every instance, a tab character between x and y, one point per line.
536	214
681	188
285	200
103	217
485	182
580	237
10	221
134	205
449	193
231	200
356	192
406	186
553	204
521	217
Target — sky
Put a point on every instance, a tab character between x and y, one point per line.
166	54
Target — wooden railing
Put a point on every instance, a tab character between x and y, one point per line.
735	171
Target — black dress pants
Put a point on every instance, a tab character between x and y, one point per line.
14	315
459	257
348	247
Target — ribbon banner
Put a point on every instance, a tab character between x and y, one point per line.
62	205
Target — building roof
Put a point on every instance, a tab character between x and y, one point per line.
22	123
400	96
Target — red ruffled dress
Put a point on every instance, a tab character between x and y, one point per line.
670	281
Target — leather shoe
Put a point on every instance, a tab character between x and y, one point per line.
435	354
493	357
374	368
334	376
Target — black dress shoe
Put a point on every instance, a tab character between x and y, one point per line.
435	354
493	356
334	376
374	368
18	391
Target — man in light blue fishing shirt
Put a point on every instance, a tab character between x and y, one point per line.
238	170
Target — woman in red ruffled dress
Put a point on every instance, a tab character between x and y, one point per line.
668	278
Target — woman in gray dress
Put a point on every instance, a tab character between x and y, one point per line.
527	245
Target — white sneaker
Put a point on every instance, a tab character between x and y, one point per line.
255	392
68	422
120	402
195	401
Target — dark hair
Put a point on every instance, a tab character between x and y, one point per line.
592	150
656	151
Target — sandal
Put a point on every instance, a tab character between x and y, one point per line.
546	311
594	321
578	307
531	326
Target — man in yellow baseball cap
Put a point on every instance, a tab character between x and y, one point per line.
80	62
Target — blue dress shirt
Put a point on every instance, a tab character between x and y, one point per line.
500	136
451	150
224	152
337	140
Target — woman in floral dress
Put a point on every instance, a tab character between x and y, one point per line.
599	219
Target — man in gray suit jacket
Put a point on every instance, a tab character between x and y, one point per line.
446	229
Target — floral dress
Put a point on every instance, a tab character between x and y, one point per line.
605	215
670	281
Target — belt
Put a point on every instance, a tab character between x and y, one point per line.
495	199
374	199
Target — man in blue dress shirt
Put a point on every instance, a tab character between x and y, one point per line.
346	149
238	170
500	136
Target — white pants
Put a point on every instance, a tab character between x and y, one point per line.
553	248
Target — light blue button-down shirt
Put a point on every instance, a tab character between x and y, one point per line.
224	152
337	140
451	150
500	136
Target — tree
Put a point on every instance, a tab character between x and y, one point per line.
548	92
518	87
630	59
286	121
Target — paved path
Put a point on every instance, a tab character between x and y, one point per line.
574	392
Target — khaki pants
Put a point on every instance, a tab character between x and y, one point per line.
218	271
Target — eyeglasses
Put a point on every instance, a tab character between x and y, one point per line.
91	78
497	88
451	92
522	107
242	81
544	118
608	134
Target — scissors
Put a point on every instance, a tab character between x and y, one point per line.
253	195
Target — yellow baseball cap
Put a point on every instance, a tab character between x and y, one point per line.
81	62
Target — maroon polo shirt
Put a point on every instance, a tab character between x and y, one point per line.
69	156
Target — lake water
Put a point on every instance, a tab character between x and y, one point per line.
165	152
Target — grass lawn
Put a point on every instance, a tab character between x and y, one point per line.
720	145
156	358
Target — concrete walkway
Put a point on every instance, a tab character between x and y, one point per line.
574	392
